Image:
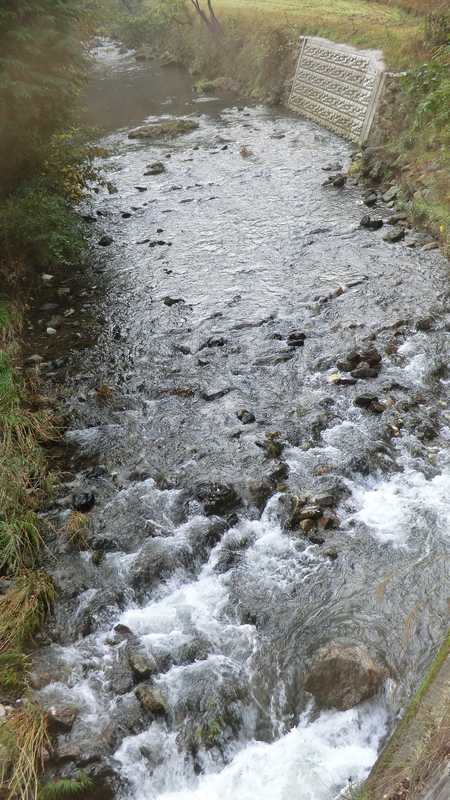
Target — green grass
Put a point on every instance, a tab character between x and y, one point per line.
66	787
24	484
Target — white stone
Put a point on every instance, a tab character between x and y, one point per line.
51	331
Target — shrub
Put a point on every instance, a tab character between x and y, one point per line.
40	227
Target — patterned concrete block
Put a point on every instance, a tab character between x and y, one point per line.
338	86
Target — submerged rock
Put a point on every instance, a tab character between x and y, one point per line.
156	168
341	676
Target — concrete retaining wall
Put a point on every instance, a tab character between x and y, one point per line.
338	86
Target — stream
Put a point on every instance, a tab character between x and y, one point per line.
237	282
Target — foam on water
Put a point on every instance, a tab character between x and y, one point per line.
394	509
314	761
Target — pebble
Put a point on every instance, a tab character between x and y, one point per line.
51	331
46	277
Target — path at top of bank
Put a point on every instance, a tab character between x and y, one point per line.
234	281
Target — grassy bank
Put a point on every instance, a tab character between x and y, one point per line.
25	483
421	741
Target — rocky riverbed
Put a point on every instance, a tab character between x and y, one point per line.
256	390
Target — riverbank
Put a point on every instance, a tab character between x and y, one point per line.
414	762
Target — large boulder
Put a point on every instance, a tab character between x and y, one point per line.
341	676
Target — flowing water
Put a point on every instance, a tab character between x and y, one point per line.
231	607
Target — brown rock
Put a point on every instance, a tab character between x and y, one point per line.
341	676
151	700
61	718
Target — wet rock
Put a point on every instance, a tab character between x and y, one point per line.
105	241
217	498
424	324
336	166
309	512
370	198
364	371
142	666
122	630
307	525
172	301
349	362
341	676
246	417
272	445
81	752
151	700
126	214
183	348
61	718
296	339
337	181
51	331
395	235
290	510
215	392
331	553
153	563
371	356
84	501
391	193
327	521
370	223
260	491
370	403
325	500
161	243
120	672
156	168
197	649
213	341
342	380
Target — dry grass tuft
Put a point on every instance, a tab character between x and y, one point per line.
76	530
23	609
25	744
